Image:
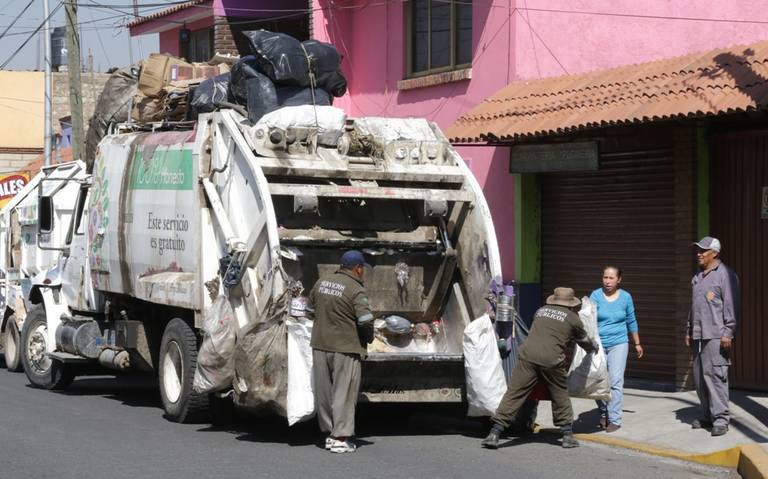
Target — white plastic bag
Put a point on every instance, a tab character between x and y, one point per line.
486	383
215	365
301	396
588	375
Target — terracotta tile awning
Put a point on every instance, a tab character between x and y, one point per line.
717	82
162	13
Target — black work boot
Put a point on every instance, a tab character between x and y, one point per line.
719	430
568	440
701	424
492	440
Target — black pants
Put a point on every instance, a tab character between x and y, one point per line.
523	380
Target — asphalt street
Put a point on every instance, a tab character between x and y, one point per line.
106	427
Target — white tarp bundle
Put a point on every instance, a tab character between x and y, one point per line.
486	383
588	375
301	396
327	118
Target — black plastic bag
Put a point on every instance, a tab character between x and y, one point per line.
324	58
113	106
297	96
207	96
261	97
243	70
333	82
280	57
325	63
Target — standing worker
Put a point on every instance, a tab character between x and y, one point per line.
710	331
342	319
542	357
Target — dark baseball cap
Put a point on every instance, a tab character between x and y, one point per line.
352	258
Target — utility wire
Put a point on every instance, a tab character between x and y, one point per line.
16	19
101	43
21	47
652	17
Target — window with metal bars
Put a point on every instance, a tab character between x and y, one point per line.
439	36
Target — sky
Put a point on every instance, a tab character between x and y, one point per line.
103	32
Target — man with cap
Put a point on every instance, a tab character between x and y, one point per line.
710	331
542	357
343	322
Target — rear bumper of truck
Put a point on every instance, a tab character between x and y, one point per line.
412	378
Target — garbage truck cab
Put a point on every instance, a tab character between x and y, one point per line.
170	222
22	256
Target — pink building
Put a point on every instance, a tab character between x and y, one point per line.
439	59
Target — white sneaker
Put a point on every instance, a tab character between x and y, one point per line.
343	446
329	442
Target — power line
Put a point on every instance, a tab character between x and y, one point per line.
101	43
21	47
652	17
16	19
541	40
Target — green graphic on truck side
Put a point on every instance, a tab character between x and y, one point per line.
168	169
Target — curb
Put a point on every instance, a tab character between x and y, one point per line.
753	462
725	458
750	460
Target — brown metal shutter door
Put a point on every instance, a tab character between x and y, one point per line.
739	173
621	215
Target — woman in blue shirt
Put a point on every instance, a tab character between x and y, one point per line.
615	320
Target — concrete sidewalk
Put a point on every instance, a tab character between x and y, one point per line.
659	422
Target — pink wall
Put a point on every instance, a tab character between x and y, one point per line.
514	40
260	8
372	40
169	39
587	41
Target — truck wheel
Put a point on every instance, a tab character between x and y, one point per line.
178	360
42	371
12	339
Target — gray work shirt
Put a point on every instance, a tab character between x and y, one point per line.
714	304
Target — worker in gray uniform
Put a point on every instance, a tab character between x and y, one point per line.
342	327
710	331
542	358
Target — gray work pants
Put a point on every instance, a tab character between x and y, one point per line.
337	386
710	377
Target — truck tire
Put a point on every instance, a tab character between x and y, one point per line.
42	371
12	349
178	360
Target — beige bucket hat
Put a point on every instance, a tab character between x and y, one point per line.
564	297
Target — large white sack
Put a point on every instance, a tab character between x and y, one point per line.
215	366
301	396
588	375
486	383
328	118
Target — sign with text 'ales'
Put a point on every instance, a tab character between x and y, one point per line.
10	184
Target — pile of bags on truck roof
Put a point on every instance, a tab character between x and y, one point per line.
165	83
280	71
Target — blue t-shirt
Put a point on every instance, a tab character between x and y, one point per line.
614	318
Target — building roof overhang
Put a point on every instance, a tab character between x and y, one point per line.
172	17
718	82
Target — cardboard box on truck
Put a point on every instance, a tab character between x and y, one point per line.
157	71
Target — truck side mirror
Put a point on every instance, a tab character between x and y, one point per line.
45	214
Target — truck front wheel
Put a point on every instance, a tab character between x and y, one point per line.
12	339
42	371
178	360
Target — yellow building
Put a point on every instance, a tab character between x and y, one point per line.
21	118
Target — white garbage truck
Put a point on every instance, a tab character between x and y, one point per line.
21	259
180	234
